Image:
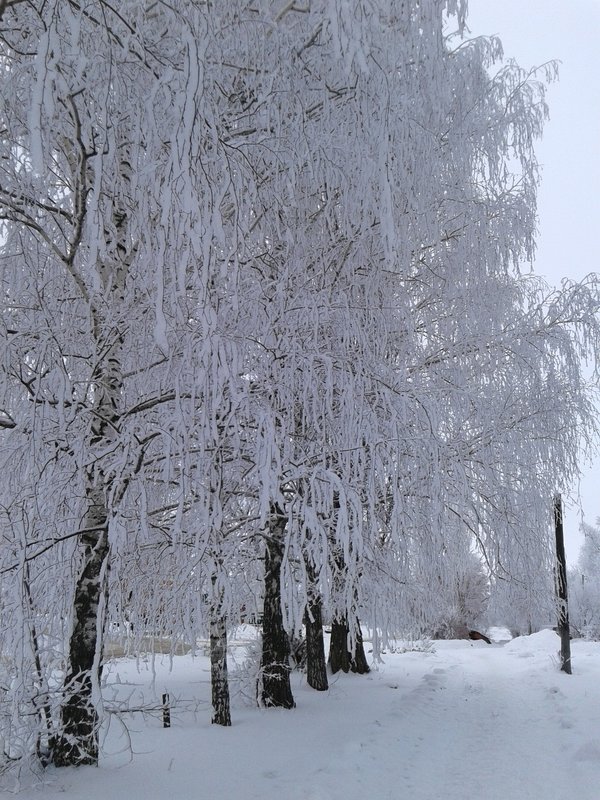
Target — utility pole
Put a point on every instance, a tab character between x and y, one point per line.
561	589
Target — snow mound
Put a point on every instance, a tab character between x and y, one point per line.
544	642
498	633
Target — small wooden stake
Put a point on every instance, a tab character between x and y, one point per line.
166	711
561	589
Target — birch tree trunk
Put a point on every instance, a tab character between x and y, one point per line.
77	741
218	661
346	650
78	738
275	690
316	667
358	659
218	670
341	657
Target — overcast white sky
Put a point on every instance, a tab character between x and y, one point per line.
533	32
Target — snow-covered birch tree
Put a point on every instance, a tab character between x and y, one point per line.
76	286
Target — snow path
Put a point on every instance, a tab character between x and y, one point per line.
468	730
469	720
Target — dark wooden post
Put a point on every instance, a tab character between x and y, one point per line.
166	710
561	589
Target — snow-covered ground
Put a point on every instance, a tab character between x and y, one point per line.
462	720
